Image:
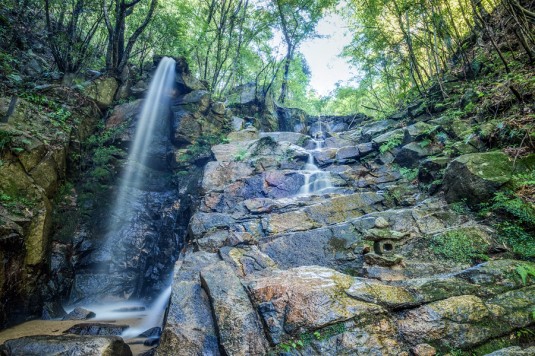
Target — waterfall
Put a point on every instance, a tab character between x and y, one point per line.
316	180
152	112
125	256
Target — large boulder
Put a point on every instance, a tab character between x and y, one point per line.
240	330
102	91
189	324
476	177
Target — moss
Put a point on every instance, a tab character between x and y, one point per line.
462	245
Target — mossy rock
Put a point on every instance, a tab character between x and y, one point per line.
476	177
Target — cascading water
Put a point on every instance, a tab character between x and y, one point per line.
154	315
316	180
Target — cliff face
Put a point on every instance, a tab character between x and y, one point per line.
38	134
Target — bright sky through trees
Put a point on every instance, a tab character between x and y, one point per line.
322	55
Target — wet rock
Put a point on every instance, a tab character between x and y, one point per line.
240	331
53	310
152	332
67	345
325	156
291	137
151	341
305	298
79	314
189	325
96	329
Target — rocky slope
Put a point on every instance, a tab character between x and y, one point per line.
367	269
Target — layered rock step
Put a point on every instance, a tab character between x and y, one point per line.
271	270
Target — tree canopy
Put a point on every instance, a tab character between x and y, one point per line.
400	47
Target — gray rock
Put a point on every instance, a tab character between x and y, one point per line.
365	148
189	326
514	351
336	142
345	154
292	137
240	331
67	345
476	177
411	154
218	108
102	329
53	310
419	131
79	314
374	129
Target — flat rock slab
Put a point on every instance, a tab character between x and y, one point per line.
240	330
102	329
305	298
67	345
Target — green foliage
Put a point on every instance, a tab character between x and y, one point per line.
16	204
240	155
305	339
390	144
525	271
460	246
460	207
516	215
409	174
6	138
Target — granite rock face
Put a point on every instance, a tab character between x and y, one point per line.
351	271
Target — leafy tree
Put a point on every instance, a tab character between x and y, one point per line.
71	27
297	21
119	48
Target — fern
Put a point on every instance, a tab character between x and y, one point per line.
525	271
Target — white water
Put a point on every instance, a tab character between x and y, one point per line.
153	114
316	180
154	316
153	110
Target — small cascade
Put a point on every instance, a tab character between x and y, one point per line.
316	180
154	317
